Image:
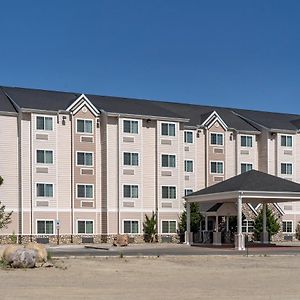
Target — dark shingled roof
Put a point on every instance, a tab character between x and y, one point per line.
251	181
5	104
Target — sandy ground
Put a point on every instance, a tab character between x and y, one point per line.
202	277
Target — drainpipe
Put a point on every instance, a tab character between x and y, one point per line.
72	179
156	178
31	190
20	212
118	158
206	156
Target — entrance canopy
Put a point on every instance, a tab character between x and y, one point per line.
249	187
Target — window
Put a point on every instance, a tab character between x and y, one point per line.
44	156
187	192
131	226
84	159
216	139
287	226
131	159
188	166
168	129
168	161
168	226
44	123
246	167
216	167
85	226
45	227
168	192
130	126
130	191
85	126
188	137
286	141
247	226
85	191
44	190
246	141
286	169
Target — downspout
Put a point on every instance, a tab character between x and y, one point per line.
31	190
156	178
237	154
206	156
20	212
72	179
119	196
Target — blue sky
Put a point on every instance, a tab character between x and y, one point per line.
242	54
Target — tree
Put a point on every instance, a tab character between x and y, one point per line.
5	218
149	228
196	218
273	225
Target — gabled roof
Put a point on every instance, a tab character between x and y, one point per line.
252	181
5	104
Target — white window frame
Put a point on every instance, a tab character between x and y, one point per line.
170	123
185	161
216	161
169	220
85	133
44	163
85	220
247	136
131	166
131	184
287	163
77	184
85	166
130	120
169	154
131	220
188	189
193	137
44	116
247	226
292	227
246	163
44	197
217	145
286	135
44	220
169	186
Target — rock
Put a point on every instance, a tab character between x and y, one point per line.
121	240
9	251
23	258
47	265
41	252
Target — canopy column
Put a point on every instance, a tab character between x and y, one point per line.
239	238
265	235
188	224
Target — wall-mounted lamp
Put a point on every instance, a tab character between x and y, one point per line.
231	136
98	123
64	120
198	133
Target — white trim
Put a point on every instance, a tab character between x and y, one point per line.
216	161
135	220
44	197
246	135
44	130
44	220
130	184
131	166
176	163
188	172
168	220
245	163
217	145
84	133
85	220
214	116
193	135
131	120
286	147
42	164
85	197
168	199
286	163
88	103
85	166
169	136
292	227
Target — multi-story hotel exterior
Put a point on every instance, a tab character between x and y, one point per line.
93	166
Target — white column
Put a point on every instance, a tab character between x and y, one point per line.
265	236
227	223
188	223
217	223
206	222
239	238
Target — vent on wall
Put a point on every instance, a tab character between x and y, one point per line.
86	139
166	142
218	150
43	137
87	203
42	203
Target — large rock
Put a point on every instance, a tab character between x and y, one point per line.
9	251
121	240
23	258
41	252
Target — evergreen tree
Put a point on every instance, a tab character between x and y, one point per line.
273	225
150	228
196	218
5	218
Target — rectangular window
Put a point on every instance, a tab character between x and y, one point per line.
187	192
246	168
216	139
85	226
247	226
168	161
188	137
85	126
168	192
85	191
84	159
246	141
45	227
168	129
44	123
130	126
188	166
44	156
131	159
286	141
168	226
44	190
287	226
286	169
130	191
131	226
216	167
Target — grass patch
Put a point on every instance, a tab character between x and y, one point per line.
4	264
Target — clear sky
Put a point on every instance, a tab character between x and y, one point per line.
240	53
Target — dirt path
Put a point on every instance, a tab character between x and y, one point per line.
205	277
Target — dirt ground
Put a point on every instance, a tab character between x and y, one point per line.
193	277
